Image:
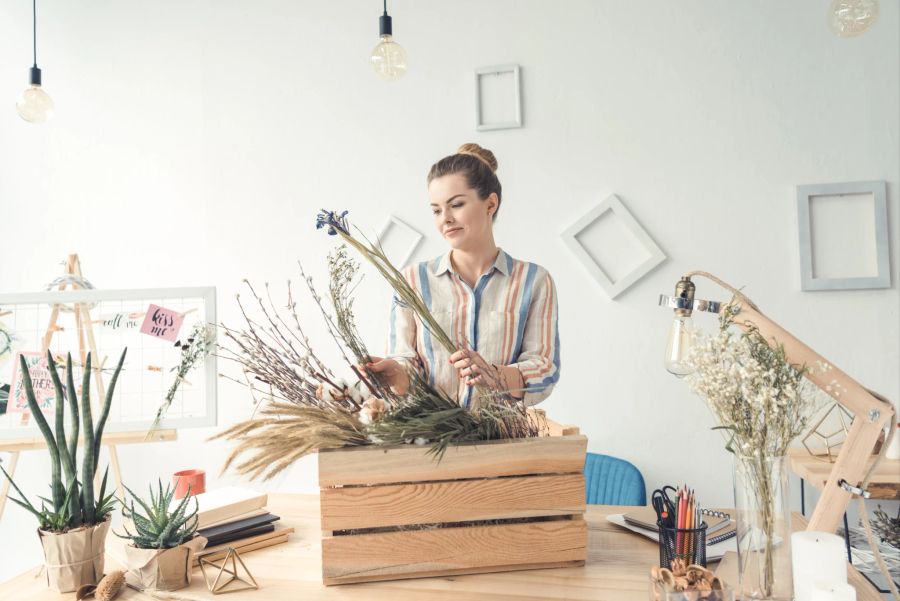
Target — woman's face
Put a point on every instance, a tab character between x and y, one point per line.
461	217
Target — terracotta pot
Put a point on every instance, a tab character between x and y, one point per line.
196	479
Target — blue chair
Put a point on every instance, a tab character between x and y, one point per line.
612	481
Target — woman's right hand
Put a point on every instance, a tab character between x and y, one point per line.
389	373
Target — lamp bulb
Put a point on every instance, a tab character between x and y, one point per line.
388	59
849	18
678	346
35	105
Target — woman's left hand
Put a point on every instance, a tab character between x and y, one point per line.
475	369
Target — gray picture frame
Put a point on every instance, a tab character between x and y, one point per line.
481	72
805	194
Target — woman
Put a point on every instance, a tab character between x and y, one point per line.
500	311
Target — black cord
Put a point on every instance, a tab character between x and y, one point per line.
385	7
34	28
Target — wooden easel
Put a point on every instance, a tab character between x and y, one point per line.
86	342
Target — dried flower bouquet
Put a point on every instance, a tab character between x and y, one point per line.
308	408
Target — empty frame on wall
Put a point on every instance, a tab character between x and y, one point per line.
613	246
399	240
498	97
843	234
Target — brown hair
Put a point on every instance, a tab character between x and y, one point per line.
478	165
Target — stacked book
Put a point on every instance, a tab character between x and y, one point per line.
237	517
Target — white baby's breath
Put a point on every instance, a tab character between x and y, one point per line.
756	395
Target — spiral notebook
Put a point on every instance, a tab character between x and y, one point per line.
724	543
720	526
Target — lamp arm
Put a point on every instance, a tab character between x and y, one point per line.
871	412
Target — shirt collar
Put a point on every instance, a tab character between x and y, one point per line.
501	263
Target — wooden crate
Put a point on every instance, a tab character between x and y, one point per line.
536	483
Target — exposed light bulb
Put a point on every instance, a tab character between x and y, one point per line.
848	18
388	58
678	346
35	105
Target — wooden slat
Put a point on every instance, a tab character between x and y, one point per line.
554	428
451	501
446	551
884	483
411	463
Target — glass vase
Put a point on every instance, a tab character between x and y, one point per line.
763	527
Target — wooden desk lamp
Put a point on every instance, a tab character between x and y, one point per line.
872	412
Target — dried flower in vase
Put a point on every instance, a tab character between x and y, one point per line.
757	396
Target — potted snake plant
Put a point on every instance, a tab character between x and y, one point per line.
164	541
74	521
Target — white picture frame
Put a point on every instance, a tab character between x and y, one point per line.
808	279
655	254
395	222
496	70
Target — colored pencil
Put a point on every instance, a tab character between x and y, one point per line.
679	524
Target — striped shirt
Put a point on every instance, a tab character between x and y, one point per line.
509	318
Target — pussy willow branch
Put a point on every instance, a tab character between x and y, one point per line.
269	353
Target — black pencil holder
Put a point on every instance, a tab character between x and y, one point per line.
687	544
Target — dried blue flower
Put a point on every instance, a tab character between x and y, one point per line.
333	220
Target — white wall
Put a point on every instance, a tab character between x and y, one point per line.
242	119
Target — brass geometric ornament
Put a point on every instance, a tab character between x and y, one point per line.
219	586
831	430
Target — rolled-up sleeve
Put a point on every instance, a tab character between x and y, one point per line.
538	361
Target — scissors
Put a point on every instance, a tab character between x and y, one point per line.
665	508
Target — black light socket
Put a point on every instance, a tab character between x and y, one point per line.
35	76
384	25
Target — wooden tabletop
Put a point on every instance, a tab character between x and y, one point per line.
617	569
884	484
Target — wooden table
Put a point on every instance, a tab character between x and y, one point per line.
884	484
617	569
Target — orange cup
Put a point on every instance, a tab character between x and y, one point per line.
195	479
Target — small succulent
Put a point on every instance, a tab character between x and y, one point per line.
159	527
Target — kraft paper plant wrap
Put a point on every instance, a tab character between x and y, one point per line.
74	558
164	569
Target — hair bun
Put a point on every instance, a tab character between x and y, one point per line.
483	154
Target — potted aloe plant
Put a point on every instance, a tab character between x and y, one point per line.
74	521
164	540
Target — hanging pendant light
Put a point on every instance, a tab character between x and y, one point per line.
389	58
848	18
35	106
